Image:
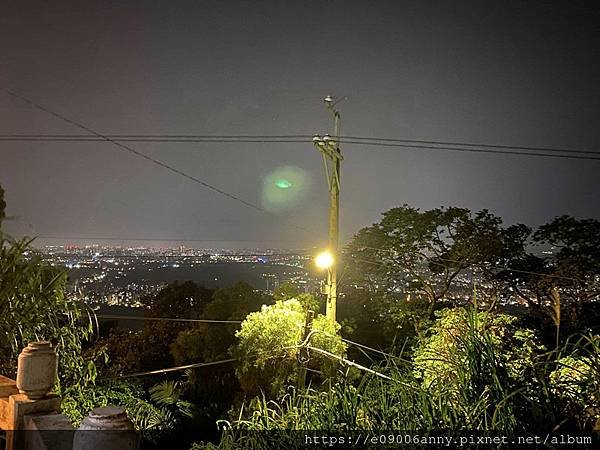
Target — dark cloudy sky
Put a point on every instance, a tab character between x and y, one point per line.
499	72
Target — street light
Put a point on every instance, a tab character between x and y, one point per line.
324	260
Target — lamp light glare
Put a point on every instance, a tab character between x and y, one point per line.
324	260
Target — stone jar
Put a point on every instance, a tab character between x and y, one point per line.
105	428
36	370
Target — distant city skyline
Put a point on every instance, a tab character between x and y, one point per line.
179	249
121	276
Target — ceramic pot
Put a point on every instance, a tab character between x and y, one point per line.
104	428
36	370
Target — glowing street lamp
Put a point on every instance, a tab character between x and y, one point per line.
324	260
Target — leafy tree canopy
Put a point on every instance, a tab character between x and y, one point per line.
180	300
558	278
423	252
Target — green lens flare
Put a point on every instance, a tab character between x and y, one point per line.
285	188
283	183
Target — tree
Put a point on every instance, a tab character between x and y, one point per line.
575	258
429	254
285	291
2	206
268	347
215	387
185	300
560	276
363	319
149	348
231	303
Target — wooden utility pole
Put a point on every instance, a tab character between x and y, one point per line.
332	157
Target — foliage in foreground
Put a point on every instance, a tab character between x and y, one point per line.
575	380
480	361
486	382
34	307
268	347
161	408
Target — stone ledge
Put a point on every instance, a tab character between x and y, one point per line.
47	432
8	387
20	405
4	413
47	422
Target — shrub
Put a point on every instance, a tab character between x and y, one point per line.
268	347
575	382
479	361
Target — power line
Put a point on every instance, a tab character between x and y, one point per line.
276	138
470	144
169	369
363	346
366	347
164	319
497	267
564	154
156	140
133	151
305	343
195	365
475	150
352	140
354	364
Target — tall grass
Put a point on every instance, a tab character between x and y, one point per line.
479	388
479	395
573	382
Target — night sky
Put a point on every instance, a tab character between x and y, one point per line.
498	72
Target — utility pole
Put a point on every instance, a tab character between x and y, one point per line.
330	149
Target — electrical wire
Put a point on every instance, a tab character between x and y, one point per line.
159	137
546	152
470	144
195	365
289	138
363	346
142	155
355	364
366	347
474	150
164	319
169	369
133	151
